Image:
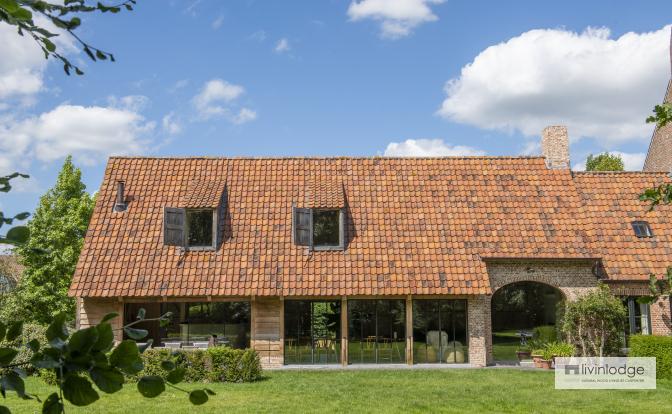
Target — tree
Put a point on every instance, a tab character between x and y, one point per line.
604	162
65	15
18	234
85	358
50	255
662	115
594	322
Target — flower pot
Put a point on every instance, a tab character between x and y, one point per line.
536	359
546	363
523	355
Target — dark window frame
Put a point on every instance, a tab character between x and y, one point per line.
183	227
642	229
311	244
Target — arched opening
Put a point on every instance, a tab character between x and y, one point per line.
522	308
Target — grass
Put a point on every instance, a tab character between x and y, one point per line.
504	345
380	391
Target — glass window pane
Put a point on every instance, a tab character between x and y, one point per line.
376	331
312	331
199	223
440	331
326	227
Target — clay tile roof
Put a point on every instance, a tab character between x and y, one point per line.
414	225
202	193
610	205
325	193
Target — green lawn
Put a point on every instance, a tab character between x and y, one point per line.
504	345
354	391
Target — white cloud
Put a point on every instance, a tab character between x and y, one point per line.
259	36
171	125
282	46
90	134
23	64
218	98
217	23
397	18
133	103
598	86
428	148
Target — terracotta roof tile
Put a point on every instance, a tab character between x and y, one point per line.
414	225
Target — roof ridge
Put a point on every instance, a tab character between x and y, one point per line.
337	157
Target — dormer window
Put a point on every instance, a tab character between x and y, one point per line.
319	229
190	228
642	229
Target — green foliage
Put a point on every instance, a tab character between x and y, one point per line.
545	333
662	115
604	162
50	255
81	364
594	322
66	16
657	195
31	332
560	349
18	234
219	364
659	347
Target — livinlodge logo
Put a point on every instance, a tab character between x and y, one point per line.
605	373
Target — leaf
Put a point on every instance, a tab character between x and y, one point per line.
198	397
82	340
136	334
7	355
109	380
22	14
168	365
34	345
142	348
3	330
79	391
9	5
105	337
126	357
151	386
52	405
14	330
12	381
100	55
176	376
141	314
4	410
89	53
57	329
109	317
74	23
45	361
18	234
209	391
49	44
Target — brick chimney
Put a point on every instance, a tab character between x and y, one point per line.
555	146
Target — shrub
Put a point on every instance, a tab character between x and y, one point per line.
219	364
594	323
545	334
659	347
30	331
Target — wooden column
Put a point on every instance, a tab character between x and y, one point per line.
253	314
282	327
344	331
409	330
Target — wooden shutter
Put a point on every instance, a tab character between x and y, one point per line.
173	226
342	235
302	224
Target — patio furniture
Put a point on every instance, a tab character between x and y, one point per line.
173	345
201	345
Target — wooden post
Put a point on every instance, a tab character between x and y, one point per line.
409	330
344	331
282	328
253	325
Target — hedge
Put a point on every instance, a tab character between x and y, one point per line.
219	364
659	347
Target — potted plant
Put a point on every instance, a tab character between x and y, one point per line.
537	357
547	358
562	349
523	353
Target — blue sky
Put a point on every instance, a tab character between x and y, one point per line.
334	77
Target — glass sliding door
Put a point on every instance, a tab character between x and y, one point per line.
312	330
440	331
196	322
376	331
